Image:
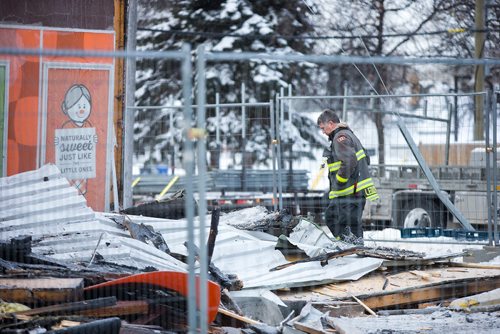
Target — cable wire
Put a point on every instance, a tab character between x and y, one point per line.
207	34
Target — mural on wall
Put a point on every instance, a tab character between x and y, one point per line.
60	107
75	142
76	118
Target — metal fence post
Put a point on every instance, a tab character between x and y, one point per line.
448	134
280	139
128	117
202	173
495	170
188	160
489	196
243	140
344	103
217	128
273	152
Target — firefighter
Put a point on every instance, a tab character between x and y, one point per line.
350	182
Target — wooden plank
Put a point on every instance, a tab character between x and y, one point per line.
122	308
41	291
422	275
373	283
307	329
71	308
473	265
357	300
238	317
370	286
441	291
340	308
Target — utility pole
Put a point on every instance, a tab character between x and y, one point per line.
479	37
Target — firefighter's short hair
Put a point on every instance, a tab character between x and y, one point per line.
328	115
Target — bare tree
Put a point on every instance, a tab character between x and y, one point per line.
396	28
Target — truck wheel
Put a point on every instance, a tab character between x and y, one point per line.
417	218
426	214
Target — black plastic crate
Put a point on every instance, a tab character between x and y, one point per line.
413	232
433	232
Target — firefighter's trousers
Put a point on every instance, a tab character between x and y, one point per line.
344	213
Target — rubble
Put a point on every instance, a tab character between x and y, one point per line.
439	321
113	272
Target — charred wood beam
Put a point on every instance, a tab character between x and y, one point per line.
146	233
16	248
218	276
380	252
212	236
229	302
322	258
92	276
71	308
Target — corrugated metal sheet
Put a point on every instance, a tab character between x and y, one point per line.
242	253
45	206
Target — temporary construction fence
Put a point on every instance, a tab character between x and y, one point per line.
57	107
55	68
408	142
458	168
408	197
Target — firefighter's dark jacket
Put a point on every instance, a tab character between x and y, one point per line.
348	166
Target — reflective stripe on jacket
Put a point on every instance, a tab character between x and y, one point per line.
348	166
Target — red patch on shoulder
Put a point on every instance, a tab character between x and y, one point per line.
341	138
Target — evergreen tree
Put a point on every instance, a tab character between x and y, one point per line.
276	26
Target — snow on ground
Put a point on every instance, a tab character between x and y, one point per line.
391	237
496	260
430	246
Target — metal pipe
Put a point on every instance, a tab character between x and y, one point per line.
233	56
282	141
495	171
202	173
339	59
344	103
280	163
248	104
218	146
128	117
282	110
93	54
488	174
444	120
188	161
172	141
243	116
217	117
448	134
290	143
243	140
432	180
352	97
273	152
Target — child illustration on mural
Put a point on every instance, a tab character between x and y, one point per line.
77	105
75	140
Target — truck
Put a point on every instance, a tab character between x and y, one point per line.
407	200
